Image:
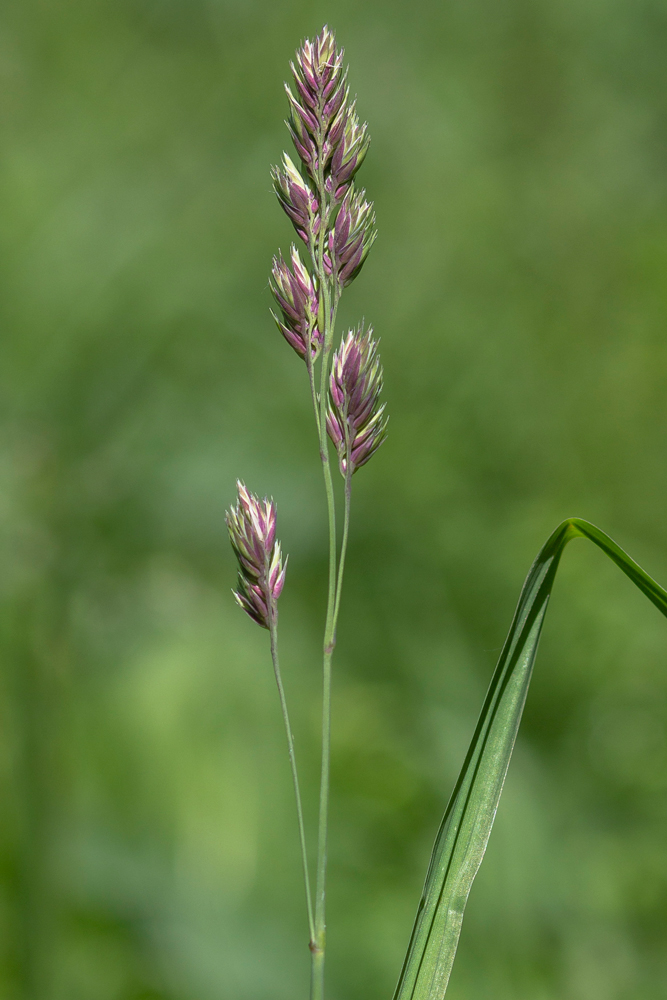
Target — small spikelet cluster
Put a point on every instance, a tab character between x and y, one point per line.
324	125
318	113
252	531
295	292
297	199
351	238
355	418
348	155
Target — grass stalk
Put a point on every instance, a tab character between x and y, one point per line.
337	224
343	546
318	944
273	630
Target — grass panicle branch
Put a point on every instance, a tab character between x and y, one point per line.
337	225
252	532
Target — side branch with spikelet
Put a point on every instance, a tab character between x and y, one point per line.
252	531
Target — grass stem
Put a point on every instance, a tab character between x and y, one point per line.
273	622
343	547
330	303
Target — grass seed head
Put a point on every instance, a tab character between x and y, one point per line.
295	292
351	237
252	532
297	199
355	417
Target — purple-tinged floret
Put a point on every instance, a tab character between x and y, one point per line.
295	292
297	199
252	531
348	155
324	126
351	237
355	418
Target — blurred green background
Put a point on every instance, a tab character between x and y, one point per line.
519	172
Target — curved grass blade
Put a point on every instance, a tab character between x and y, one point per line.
466	827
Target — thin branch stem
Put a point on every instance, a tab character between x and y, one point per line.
313	391
343	547
273	629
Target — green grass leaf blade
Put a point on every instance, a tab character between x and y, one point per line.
464	833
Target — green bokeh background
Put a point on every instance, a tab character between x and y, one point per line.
519	172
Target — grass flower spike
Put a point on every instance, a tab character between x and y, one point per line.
355	419
252	531
295	292
324	126
337	225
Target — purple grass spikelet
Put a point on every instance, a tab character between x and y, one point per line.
252	532
318	111
355	418
351	237
348	155
295	292
319	69
310	128
297	199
